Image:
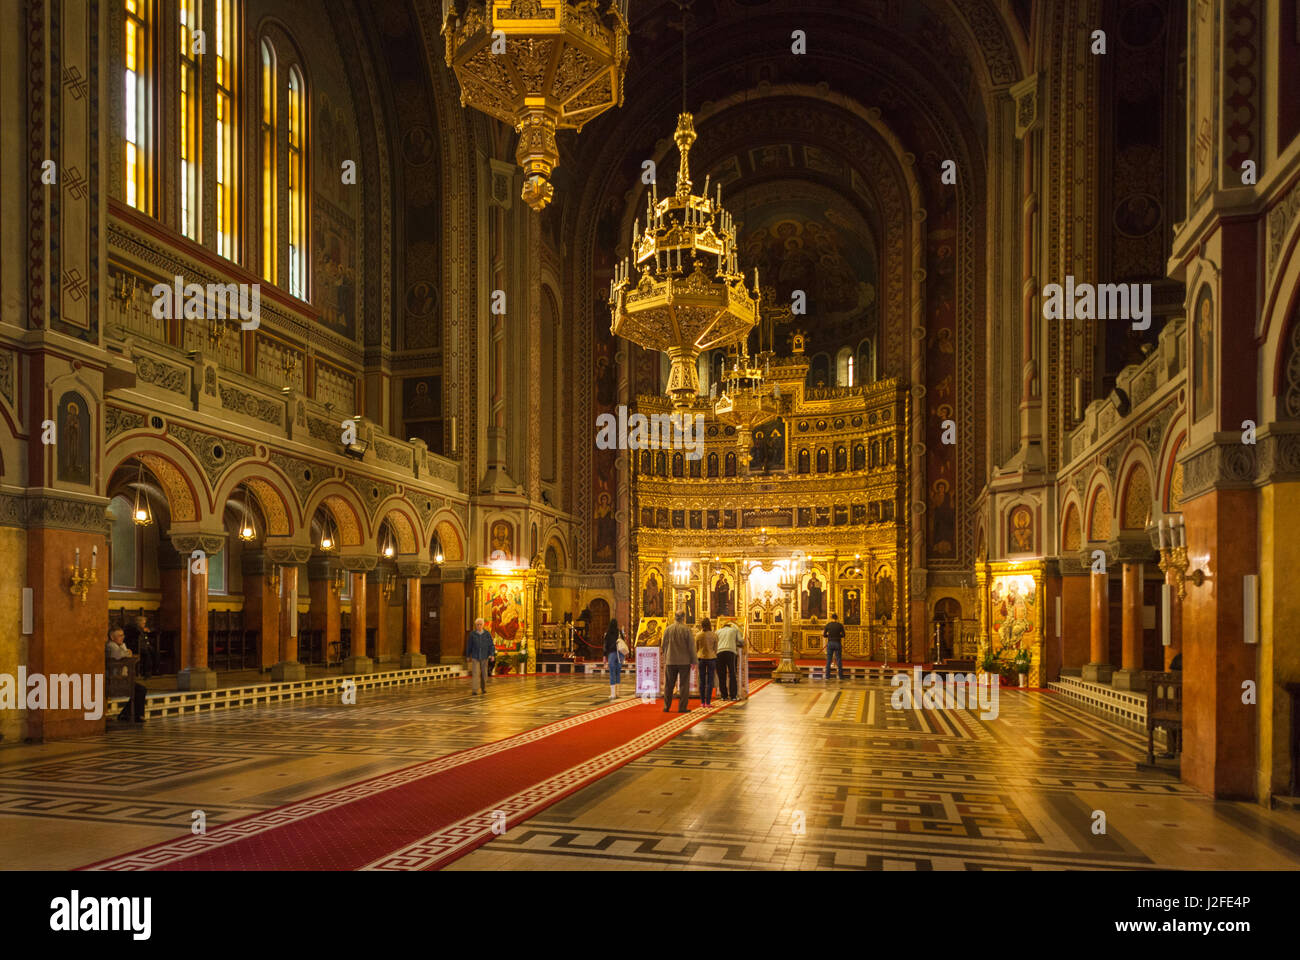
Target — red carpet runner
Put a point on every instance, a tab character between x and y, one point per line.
425	816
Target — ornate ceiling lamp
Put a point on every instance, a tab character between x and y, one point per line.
689	294
540	66
747	399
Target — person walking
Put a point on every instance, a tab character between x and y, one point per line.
615	651
728	654
478	651
706	650
679	657
834	634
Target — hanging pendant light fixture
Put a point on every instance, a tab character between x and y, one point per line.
247	532
681	291
141	512
540	66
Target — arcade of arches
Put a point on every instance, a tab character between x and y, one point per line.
975	475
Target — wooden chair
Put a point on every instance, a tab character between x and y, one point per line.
1165	710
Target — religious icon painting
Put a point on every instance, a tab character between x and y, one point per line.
1020	530
501	541
1203	354
652	595
503	609
74	430
851	603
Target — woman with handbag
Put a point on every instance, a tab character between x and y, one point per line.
615	650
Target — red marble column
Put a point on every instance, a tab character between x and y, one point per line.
357	661
412	657
1098	669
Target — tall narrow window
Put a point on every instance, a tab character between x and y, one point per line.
192	42
227	133
269	178
297	188
136	109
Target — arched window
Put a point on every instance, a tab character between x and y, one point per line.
123	547
865	370
297	185
819	372
803	461
844	368
270	235
227	45
190	132
137	108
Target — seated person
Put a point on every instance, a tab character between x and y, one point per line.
116	649
140	641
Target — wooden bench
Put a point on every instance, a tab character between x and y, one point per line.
120	676
1165	710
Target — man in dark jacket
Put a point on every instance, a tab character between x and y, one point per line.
478	651
679	657
834	634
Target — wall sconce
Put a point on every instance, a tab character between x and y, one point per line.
124	285
1173	556
386	583
273	579
216	333
682	572
336	580
437	558
81	578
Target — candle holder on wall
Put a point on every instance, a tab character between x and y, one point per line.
81	577
1173	556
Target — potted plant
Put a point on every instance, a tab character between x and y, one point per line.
991	663
1022	663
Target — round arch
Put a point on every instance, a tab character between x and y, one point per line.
345	509
177	472
269	487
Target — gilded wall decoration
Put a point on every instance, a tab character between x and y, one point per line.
452	548
1099	527
180	499
273	509
1137	501
216	455
304	475
345	518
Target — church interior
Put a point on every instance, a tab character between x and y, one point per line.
955	341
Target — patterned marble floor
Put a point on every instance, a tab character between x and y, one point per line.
812	776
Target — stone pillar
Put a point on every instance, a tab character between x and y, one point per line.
173	602
412	572
358	566
1076	616
1129	676
1133	550
194	551
451	624
261	604
288	556
326	613
1098	669
377	610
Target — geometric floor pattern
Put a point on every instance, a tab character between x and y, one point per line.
818	775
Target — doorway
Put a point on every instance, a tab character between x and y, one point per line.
598	624
431	621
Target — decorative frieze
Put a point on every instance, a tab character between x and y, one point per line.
50	510
1226	464
160	374
304	476
393	453
215	454
117	420
252	405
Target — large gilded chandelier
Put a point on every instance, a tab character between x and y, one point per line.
748	398
539	65
682	291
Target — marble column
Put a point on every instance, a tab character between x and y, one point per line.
357	568
412	573
326	611
195	550
1129	676
377	602
288	557
1098	669
261	605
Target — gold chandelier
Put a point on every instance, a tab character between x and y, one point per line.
690	294
539	65
747	397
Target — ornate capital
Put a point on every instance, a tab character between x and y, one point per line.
287	554
358	562
413	568
1131	547
186	542
1224	464
45	509
1278	455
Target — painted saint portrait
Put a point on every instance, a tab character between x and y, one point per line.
1203	354
501	541
884	597
652	597
1011	600
722	602
688	604
503	606
1020	530
851	601
650	633
74	429
814	599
